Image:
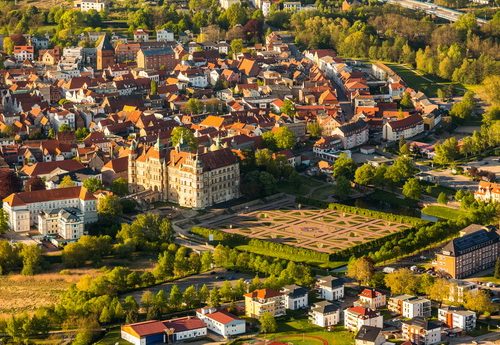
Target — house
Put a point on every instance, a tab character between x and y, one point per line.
404	128
115	169
488	192
164	36
330	288
475	250
415	307
396	303
156	59
221	322
141	35
368	335
420	331
371	298
169	331
264	300
23	208
352	134
457	318
296	297
356	317
325	314
87	5
23	53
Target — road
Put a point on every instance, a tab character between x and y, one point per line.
492	338
197	280
430	8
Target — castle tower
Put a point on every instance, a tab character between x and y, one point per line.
105	53
132	167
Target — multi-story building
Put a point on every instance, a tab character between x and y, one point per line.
330	288
141	35
156	59
68	223
105	53
221	322
356	317
457	318
23	208
225	4
488	192
477	249
459	289
296	297
164	36
396	303
186	178
325	314
23	53
369	335
292	6
404	128
194	77
415	307
352	134
263	301
87	5
420	331
371	298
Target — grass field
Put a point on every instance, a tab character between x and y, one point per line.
298	327
443	212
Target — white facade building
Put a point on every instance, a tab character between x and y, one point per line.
296	297
324	314
456	318
404	128
221	322
23	208
164	35
87	5
330	288
356	317
352	134
68	223
415	307
421	331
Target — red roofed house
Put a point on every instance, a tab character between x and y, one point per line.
371	298
488	192
28	209
164	332
23	53
114	169
221	322
264	300
356	317
404	128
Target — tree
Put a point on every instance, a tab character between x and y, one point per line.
314	129
190	297
214	298
8	45
183	136
344	166
74	255
206	261
361	269
446	152
342	187
194	106
497	269
4	221
32	258
64	128
478	301
109	207
402	281
226	291
465	107
175	297
93	184
9	257
204	293
237	45
406	101
268	323
364	175
119	186
442	198
153	87
412	189
66	182
401	169
81	133
489	89
131	309
288	108
284	138
439	290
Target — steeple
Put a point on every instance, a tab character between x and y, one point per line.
158	143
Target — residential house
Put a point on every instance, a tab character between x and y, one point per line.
372	299
396	303
156	59
356	317
23	53
296	297
420	331
404	128
457	318
368	335
352	134
488	192
163	35
330	288
415	307
264	300
87	5
325	314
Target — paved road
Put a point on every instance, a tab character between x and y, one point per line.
197	280
492	338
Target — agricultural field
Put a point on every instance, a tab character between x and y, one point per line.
326	231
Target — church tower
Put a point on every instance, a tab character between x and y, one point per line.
105	53
132	167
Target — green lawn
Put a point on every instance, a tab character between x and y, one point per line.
302	327
305	185
443	212
112	338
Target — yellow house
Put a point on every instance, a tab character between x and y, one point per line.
264	300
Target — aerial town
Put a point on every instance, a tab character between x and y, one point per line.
254	172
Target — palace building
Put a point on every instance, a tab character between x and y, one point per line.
195	180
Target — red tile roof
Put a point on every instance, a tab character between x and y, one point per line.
23	198
222	317
43	168
263	294
185	324
370	293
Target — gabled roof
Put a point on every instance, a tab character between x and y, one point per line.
24	198
43	168
368	333
263	294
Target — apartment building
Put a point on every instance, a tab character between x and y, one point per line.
324	314
356	317
404	128
457	318
415	307
371	298
459	289
474	251
330	288
396	303
264	300
67	223
352	134
420	331
296	297
221	322
23	53
24	208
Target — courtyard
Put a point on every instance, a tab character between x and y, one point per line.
322	230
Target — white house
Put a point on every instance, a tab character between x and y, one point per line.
404	128
292	6
457	318
221	322
296	297
356	317
324	314
141	35
23	53
421	331
352	134
194	77
330	288
371	298
415	307
164	35
68	223
23	208
87	5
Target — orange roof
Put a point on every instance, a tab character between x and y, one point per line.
23	198
263	294
213	121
